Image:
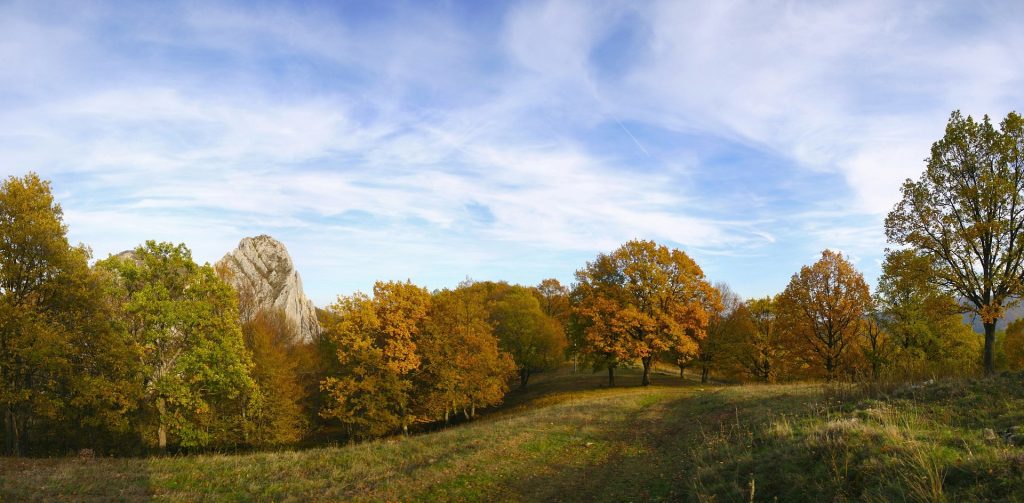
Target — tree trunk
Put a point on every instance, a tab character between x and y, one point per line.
704	372
611	376
472	410
12	433
682	372
524	377
162	429
647	360
990	340
8	450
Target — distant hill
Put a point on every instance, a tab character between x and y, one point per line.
1012	314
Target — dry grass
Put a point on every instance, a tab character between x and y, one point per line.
568	439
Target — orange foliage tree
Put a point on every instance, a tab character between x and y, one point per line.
822	309
642	300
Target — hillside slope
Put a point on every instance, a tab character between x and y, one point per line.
667	442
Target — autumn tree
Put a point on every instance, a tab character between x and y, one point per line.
554	299
760	349
822	308
535	340
376	340
1013	345
273	341
195	368
642	300
462	366
875	346
727	321
966	214
64	368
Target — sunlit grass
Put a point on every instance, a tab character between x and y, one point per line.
570	438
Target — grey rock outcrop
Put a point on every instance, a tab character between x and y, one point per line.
262	272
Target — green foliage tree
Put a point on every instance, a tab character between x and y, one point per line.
196	370
554	299
376	342
556	302
924	322
535	340
64	368
876	347
822	309
965	214
642	300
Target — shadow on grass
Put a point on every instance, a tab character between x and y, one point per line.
74	479
652	448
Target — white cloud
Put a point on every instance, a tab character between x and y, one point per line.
368	140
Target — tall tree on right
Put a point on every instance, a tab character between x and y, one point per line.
822	309
966	213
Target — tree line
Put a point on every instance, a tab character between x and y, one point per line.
146	351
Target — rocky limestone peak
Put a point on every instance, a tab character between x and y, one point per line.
262	271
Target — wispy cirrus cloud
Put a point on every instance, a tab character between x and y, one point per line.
433	142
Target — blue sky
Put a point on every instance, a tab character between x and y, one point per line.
435	141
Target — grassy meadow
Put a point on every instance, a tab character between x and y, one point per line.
571	438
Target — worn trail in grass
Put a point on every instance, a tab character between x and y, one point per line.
626	443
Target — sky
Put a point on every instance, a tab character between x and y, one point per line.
439	141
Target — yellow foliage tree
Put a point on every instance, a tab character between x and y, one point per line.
67	372
272	339
462	367
377	354
1013	345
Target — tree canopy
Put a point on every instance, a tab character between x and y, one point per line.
641	300
822	308
64	366
966	214
196	369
